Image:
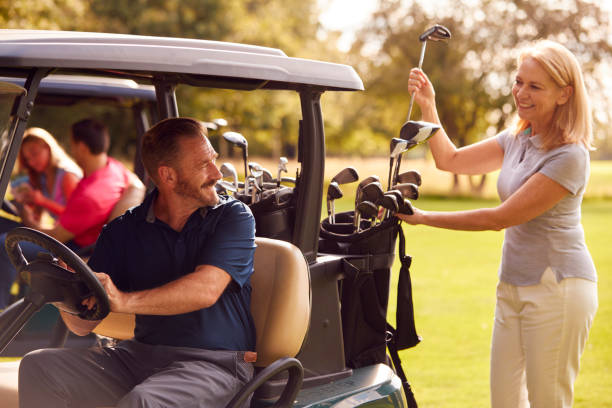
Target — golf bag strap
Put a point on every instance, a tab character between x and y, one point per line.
397	364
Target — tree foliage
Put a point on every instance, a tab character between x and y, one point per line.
473	73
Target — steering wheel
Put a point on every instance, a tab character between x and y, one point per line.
51	282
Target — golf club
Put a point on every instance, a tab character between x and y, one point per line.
410	176
363	183
227	169
366	209
267	175
389	203
333	193
220	122
346	176
237	139
405	207
408	190
227	186
436	33
396	147
282	166
416	133
256	173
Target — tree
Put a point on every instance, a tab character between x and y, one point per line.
473	74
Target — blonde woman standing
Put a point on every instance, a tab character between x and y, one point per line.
547	291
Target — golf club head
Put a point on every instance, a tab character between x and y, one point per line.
397	147
220	122
373	192
408	190
333	191
267	176
398	195
405	207
436	33
346	176
417	132
209	125
237	139
367	209
389	202
282	166
227	186
227	169
220	189
370	179
410	176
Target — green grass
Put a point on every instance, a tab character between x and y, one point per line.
454	275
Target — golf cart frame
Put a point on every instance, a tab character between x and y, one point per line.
164	63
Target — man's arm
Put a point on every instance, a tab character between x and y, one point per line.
58	232
197	290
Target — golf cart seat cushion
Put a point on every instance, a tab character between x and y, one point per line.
280	301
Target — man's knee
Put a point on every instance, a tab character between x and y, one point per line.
31	364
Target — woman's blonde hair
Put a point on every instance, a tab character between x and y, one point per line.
571	122
57	158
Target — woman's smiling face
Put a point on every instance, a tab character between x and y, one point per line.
536	95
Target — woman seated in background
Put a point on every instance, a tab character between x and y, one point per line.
52	174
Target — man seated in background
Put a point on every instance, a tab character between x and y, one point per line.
88	208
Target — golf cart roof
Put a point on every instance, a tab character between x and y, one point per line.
68	89
195	62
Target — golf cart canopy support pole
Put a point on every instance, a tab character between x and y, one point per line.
310	185
21	114
166	99
141	120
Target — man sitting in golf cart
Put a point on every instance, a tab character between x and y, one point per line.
182	262
88	208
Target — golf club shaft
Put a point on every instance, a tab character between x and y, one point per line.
390	172
420	65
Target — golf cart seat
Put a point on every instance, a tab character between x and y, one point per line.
280	305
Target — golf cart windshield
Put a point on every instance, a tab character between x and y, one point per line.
9	93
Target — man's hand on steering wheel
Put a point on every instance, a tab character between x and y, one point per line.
116	298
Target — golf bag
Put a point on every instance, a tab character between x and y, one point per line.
274	214
364	292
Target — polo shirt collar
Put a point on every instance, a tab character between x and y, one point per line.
535	140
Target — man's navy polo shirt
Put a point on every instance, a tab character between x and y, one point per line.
141	252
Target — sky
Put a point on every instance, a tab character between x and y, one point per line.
346	16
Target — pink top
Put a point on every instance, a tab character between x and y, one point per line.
92	201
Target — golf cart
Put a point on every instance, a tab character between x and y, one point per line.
303	353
